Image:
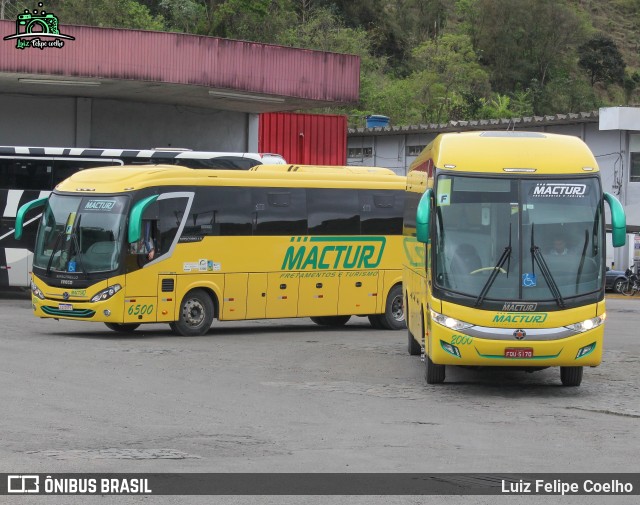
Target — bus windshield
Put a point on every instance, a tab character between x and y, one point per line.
81	234
518	239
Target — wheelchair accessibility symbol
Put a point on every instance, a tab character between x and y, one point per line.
528	280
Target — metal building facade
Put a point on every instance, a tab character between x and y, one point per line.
307	139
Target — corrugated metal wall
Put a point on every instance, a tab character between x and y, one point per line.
306	139
188	59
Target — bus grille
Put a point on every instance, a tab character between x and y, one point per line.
82	313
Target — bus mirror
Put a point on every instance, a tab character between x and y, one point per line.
22	211
618	221
422	217
135	218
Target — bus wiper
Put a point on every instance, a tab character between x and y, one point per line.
506	256
582	258
53	252
546	273
74	236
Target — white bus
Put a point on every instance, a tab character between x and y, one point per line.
28	173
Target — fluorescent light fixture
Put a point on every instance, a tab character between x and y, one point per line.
242	96
58	82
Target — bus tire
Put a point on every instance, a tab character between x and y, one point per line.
376	324
196	314
122	328
571	375
393	317
415	349
331	320
434	374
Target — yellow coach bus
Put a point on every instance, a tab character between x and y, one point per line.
505	253
132	245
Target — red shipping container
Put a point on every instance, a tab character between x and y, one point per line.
304	139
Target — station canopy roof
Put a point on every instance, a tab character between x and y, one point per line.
179	69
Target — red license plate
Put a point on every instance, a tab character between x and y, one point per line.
518	352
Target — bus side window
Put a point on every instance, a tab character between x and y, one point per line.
26	174
220	211
381	212
333	211
279	211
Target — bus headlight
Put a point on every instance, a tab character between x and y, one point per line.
449	322
36	291
587	324
105	294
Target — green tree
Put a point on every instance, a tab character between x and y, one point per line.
448	76
521	40
602	60
109	13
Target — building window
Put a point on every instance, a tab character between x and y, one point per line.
634	171
360	152
414	150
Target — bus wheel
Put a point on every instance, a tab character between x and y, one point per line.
122	328
415	349
196	314
374	319
571	375
433	373
393	317
331	320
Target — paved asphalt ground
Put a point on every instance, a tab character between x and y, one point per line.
289	396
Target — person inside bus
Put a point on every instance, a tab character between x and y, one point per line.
146	248
559	247
465	260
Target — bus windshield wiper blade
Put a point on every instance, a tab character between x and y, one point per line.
582	258
74	236
536	255
53	252
506	255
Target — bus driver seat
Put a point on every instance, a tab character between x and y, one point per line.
465	260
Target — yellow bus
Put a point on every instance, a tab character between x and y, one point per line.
148	244
505	253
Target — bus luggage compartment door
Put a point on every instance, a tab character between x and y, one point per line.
359	292
282	296
256	296
318	296
166	297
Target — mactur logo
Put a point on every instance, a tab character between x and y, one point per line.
38	29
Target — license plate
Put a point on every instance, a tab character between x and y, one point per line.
518	352
65	306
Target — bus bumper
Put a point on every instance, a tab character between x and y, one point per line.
449	347
76	304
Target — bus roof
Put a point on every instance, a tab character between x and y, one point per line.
504	151
118	179
323	169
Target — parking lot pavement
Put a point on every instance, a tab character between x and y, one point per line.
289	396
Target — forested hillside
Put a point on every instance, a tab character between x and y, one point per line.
422	60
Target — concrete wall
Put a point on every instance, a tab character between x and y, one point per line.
85	122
